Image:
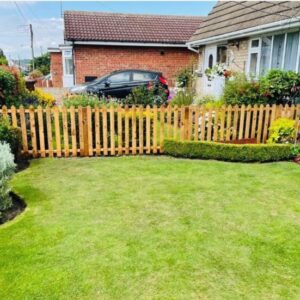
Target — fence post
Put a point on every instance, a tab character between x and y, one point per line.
85	132
186	123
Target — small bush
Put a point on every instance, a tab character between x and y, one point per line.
241	90
12	86
295	150
11	136
185	76
283	86
3	61
7	86
152	95
183	98
209	101
7	168
81	100
228	152
35	74
282	131
276	87
43	98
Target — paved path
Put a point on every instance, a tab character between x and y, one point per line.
57	93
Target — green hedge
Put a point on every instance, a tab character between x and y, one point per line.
228	152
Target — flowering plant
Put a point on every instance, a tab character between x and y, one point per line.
218	70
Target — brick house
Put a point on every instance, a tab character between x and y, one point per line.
99	43
248	36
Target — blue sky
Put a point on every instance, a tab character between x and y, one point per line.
47	24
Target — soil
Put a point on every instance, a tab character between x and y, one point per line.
17	208
297	160
243	141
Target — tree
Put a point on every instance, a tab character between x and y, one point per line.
3	60
42	63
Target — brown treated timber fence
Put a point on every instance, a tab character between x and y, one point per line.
87	131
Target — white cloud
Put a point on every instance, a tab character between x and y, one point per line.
15	35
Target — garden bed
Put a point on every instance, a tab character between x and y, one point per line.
18	206
242	141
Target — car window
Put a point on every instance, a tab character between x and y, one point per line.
143	76
120	77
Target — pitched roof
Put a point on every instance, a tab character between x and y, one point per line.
231	16
117	27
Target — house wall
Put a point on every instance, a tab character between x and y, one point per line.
238	55
237	58
101	60
200	80
56	68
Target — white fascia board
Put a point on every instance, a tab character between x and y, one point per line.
95	43
65	47
266	28
53	50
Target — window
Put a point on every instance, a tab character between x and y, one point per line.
254	43
266	43
120	77
280	51
277	54
253	64
210	61
221	54
68	66
291	51
254	51
143	76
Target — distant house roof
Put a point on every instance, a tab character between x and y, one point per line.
230	16
134	28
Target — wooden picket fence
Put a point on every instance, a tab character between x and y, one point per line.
86	131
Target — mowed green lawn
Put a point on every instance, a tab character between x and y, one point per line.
153	228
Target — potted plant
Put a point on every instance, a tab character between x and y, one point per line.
296	153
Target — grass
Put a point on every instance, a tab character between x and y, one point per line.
153	228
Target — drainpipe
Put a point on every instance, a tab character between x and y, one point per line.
73	61
192	49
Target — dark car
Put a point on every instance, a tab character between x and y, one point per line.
119	84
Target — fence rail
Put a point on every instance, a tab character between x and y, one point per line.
87	131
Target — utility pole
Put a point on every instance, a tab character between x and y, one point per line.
31	44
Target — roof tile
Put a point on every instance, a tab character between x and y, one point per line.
116	27
231	16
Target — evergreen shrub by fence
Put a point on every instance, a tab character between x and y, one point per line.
228	152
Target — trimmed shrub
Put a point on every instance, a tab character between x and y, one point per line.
228	152
282	131
7	168
11	136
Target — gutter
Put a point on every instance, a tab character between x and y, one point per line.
266	28
192	49
129	44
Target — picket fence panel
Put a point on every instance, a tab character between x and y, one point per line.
86	131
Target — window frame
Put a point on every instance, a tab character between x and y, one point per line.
254	50
257	50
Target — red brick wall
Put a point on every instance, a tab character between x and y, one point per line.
100	60
56	69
